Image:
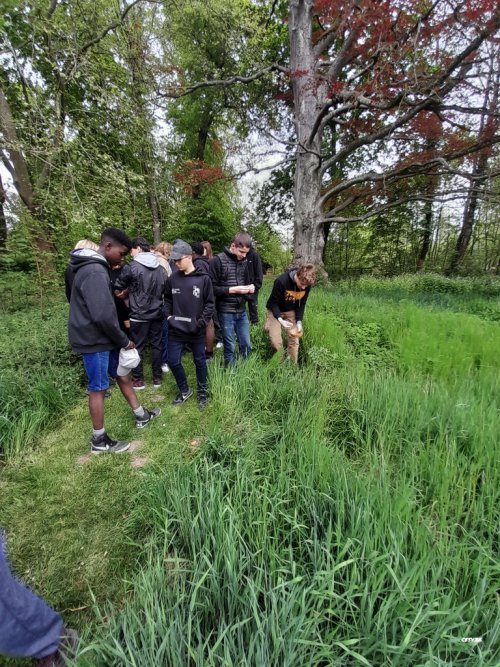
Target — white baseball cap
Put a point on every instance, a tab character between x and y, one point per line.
127	360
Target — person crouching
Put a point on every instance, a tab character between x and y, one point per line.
189	304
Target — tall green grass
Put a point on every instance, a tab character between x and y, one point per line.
331	518
38	379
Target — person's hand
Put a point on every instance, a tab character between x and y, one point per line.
285	323
130	345
251	289
299	327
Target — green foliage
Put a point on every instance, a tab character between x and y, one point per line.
38	378
341	512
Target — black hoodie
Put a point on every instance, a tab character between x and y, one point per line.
189	302
287	296
93	323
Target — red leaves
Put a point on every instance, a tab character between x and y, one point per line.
196	172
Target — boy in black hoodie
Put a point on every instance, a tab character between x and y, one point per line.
189	304
94	332
285	307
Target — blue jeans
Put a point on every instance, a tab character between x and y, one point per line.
175	348
100	366
28	626
235	326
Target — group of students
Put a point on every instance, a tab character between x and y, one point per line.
170	297
116	309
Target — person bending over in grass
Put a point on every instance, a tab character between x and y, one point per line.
285	307
189	304
94	332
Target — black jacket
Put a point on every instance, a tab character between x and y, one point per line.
286	295
93	323
255	273
202	263
189	303
146	280
227	271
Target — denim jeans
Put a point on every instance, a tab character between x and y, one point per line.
175	348
28	626
235	326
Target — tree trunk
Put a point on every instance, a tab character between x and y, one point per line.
426	236
308	93
3	221
467	226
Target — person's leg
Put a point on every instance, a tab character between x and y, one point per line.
226	321
139	334
28	626
253	308
209	338
242	327
164	342
273	329
155	341
175	362
200	363
217	327
292	348
96	366
128	391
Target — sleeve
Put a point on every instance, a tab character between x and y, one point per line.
208	301
258	271
276	297
124	280
102	309
216	276
299	313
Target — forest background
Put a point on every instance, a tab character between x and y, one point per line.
379	118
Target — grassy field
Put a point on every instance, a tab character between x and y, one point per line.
345	512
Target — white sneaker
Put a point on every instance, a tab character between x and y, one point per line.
219	345
165	368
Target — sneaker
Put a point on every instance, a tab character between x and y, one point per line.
165	368
67	648
219	346
104	444
156	382
138	384
182	398
149	415
209	357
202	401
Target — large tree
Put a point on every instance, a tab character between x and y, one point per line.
371	69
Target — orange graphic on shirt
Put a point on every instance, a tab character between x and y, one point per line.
290	295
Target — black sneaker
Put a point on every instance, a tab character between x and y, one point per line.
182	398
202	401
104	444
149	415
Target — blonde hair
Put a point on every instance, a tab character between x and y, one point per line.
85	243
164	248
